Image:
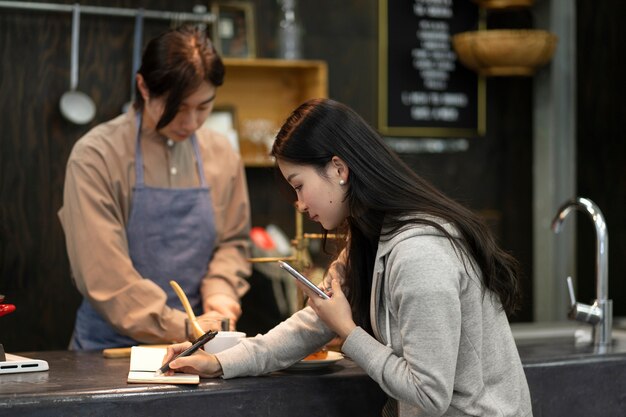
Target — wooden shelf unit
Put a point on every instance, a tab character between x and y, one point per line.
266	91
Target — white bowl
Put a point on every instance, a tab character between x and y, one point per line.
223	341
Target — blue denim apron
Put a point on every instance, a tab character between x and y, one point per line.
171	236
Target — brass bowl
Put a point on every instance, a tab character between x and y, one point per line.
504	4
505	52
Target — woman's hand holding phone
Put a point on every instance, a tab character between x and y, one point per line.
303	280
335	311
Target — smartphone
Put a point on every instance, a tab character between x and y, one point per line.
303	279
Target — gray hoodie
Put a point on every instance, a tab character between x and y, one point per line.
442	346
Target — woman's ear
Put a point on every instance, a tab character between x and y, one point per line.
143	88
340	169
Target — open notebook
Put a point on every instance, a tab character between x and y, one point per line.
144	361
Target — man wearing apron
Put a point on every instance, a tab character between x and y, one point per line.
150	197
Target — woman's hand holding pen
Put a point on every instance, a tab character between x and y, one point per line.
335	312
201	363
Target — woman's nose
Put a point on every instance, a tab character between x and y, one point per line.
301	207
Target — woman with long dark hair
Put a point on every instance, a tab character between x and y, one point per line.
420	293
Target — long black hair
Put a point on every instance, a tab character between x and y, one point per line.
382	188
174	64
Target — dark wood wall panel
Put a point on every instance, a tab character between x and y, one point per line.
601	141
492	177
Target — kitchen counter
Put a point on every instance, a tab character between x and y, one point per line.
564	380
85	383
572	379
578	386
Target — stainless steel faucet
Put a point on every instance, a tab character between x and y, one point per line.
600	314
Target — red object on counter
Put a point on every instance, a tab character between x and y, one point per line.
261	238
6	309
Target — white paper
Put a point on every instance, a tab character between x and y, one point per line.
145	361
146	358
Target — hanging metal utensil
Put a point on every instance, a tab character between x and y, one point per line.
137	44
77	107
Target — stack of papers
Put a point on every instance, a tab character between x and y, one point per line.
145	361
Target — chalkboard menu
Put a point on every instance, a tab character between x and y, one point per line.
424	91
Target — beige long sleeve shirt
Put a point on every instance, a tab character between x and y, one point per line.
96	206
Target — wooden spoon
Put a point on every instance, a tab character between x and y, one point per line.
195	326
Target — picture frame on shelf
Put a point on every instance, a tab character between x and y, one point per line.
233	30
223	119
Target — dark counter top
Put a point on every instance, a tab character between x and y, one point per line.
85	383
570	380
564	380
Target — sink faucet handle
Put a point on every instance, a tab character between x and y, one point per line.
570	287
582	312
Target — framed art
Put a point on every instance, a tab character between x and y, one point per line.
233	31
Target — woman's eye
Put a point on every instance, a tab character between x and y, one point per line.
297	188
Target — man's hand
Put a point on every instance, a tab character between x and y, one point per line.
222	305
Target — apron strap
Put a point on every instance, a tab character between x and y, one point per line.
196	150
138	155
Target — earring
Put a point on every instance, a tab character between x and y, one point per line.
342	182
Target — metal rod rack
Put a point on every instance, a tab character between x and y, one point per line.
111	11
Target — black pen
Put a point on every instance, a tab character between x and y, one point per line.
199	342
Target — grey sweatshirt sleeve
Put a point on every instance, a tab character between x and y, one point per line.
285	344
423	289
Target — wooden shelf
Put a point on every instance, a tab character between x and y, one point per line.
262	93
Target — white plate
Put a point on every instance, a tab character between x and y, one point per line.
317	363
